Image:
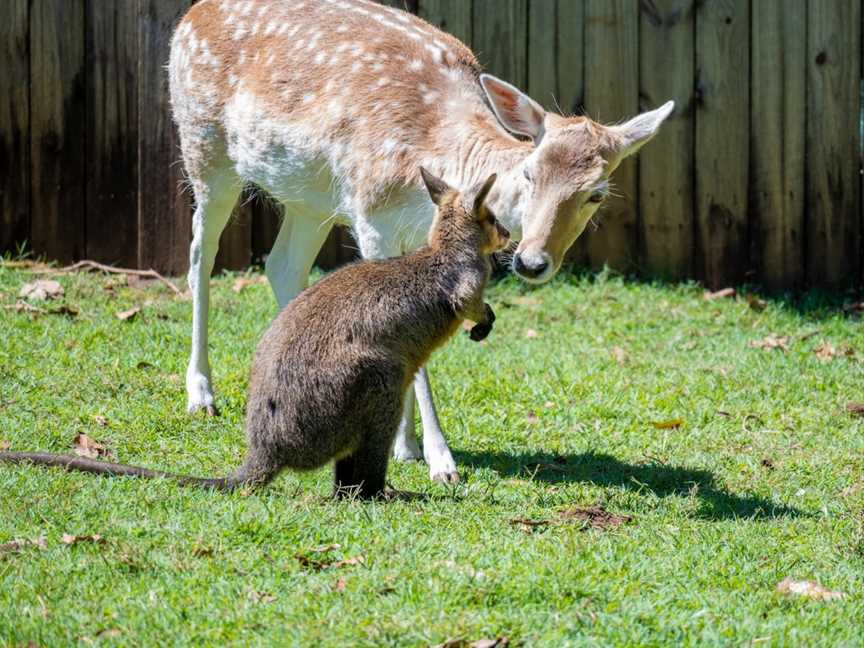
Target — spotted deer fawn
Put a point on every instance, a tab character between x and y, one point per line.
331	106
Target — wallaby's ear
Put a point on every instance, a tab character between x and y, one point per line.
479	193
434	185
637	132
516	111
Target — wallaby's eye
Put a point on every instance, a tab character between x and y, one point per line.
596	197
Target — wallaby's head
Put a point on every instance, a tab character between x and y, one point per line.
464	216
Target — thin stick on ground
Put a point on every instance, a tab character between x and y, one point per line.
95	265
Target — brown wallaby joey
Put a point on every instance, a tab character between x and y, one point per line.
330	374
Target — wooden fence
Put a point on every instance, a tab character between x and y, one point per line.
755	178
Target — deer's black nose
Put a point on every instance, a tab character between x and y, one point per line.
530	270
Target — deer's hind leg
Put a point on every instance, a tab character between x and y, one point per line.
216	192
300	237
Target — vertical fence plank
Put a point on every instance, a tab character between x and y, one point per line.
833	227
777	119
612	93
542	42
235	244
501	39
112	132
722	140
452	16
666	164
58	121
266	219
570	58
164	213
14	124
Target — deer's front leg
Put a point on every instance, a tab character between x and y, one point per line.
442	468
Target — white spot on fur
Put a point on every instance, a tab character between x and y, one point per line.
308	98
319	58
342	29
383	81
435	52
357	66
377	67
430	97
271	27
416	65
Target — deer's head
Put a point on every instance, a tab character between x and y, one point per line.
565	179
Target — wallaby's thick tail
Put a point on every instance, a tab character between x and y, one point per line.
113	469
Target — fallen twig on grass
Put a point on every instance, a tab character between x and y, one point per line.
95	265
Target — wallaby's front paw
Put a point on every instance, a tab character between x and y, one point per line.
482	329
480	332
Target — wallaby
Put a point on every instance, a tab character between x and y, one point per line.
330	375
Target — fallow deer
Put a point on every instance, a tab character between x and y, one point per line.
331	107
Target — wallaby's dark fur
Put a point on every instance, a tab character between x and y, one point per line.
330	374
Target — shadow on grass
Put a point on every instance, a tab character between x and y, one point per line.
716	503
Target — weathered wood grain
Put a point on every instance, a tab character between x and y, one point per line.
500	39
611	94
833	226
542	54
778	74
57	122
164	212
14	124
112	133
666	177
235	244
453	16
570	58
722	141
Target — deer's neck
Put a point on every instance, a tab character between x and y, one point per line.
472	146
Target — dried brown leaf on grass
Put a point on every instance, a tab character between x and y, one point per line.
262	597
595	517
339	585
529	524
86	446
498	642
671	424
312	560
723	293
19	544
827	351
809	589
128	315
620	355
41	290
70	539
4	445
856	409
531	334
771	342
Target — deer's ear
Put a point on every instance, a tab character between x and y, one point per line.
516	111
434	185
477	195
634	134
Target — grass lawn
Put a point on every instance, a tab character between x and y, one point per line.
739	467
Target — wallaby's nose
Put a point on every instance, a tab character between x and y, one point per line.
531	268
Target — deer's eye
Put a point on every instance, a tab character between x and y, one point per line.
527	174
596	197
